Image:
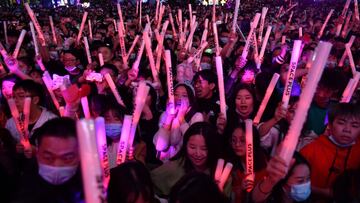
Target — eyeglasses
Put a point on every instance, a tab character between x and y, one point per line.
21	96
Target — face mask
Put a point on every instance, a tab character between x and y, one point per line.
332	139
70	68
56	175
205	66
224	40
113	130
300	192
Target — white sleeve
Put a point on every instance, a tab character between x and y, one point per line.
269	140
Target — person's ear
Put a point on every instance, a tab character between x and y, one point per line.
35	100
212	86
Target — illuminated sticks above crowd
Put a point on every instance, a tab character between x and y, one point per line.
170	83
19	43
349	44
235	18
249	151
36	23
53	31
221	173
81	27
262	23
33	34
248	40
325	23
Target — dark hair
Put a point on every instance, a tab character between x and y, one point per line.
73	52
251	90
196	187
57	127
207	75
209	133
111	67
344	109
128	182
34	88
331	79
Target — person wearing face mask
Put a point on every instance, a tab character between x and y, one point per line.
71	63
285	187
55	175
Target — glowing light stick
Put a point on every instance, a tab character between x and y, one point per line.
123	144
214	13
345	9
26	112
219	70
249	151
102	148
345	98
169	78
101	59
197	53
356	7
191	35
283	39
48	83
300	32
19	43
346	26
90	30
157	10
180	20
61	111
172	25
32	29
289	9
121	16
248	40
138	57
290	17
262	22
137	8
87	50
306	97
122	43
219	169
89	156
5	32
150	56
36	23
53	31
216	39
236	14
266	98
351	41
325	23
263	47
133	46
225	175
190	15
353	87
140	13
113	88
351	59
82	26
162	9
85	107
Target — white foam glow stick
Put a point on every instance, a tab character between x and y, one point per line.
291	73
5	32
150	56
219	70
300	32
283	39
90	30
118	6
101	59
115	26
289	9
137	7
87	50
53	31
351	59
161	13
219	169
262	22
157	10
345	9
140	99
190	15
214	12
198	52
248	40
82	26
290	17
235	17
226	18
85	107
325	23
346	26
351	41
18	123
102	148
180	21
190	37
36	23
140	13
306	97
356	8
255	46
169	78
172	25
19	43
36	46
225	175
48	83
266	98
122	43
61	111
138	57
26	112
133	46
123	144
345	98
216	39
113	88
91	170
250	175
354	86
263	47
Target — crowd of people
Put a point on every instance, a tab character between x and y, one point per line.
178	142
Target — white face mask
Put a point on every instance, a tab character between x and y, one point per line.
300	192
70	68
56	175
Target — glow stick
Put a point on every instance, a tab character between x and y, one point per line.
113	88
345	9
137	8
247	44
101	59
172	25
81	27
180	20
325	23
169	78
102	148
26	112
356	8
18	44
306	97
216	39
280	10
53	29
186	26
219	169
219	70
190	15
161	13
36	23
235	17
300	32
118	6
140	99
204	36
48	83
225	175
263	47
351	59
61	111
291	7
291	73
290	17
115	26
150	56
34	39
41	65
283	39
266	98
87	50
122	43
345	29
249	152
354	86
5	32
206	24
226	18
338	29
90	30
255	46
157	10
262	22
190	37
85	107
214	13
92	175
351	41
197	53
133	46
345	98
18	123
123	143
138	57
140	13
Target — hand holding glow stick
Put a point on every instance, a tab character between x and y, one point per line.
48	83
250	175
197	53
325	23
219	70
102	149
19	43
291	73
81	27
235	17
53	31
306	97
36	23
113	88
87	50
266	98
85	107
248	40
89	156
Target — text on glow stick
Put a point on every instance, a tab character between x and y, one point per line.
247	44
169	78
236	13
219	70
249	151
36	23
315	72
82	26
89	156
291	73
85	107
18	123
266	98
102	148
113	88
123	144
19	43
36	46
